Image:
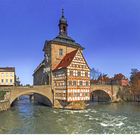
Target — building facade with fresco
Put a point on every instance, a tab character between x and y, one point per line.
64	67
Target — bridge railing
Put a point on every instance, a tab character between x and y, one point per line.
34	86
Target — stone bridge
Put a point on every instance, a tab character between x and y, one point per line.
111	90
43	90
44	94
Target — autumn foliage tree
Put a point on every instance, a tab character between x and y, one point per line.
104	79
135	81
119	76
120	79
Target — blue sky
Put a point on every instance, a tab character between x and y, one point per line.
108	29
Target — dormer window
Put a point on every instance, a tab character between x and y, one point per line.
60	52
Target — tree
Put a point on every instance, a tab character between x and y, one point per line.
104	79
134	71
135	81
120	79
94	74
119	76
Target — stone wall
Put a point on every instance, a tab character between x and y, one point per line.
55	58
80	105
4	105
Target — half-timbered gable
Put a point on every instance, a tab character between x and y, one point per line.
78	78
74	77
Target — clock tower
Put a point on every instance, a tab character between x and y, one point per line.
54	52
63	25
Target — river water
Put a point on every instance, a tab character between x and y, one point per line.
104	118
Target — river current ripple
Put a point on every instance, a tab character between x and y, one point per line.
28	118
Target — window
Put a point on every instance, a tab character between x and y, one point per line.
2	81
74	83
86	74
81	83
87	84
79	73
71	73
60	52
70	83
11	81
64	28
11	74
6	74
6	81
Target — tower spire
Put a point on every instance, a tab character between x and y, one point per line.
63	25
62	13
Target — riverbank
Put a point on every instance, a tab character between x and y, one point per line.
128	95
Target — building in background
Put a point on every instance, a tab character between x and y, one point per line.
40	76
7	76
120	79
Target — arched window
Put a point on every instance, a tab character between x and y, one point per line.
64	28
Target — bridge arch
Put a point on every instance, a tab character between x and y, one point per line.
101	95
31	92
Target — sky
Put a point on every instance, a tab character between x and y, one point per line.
109	30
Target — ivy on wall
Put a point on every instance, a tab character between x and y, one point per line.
2	93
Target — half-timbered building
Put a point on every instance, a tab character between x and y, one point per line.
72	78
65	67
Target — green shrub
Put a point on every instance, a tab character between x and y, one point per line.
2	93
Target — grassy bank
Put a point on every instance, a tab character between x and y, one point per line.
126	94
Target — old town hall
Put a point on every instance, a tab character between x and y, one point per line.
64	67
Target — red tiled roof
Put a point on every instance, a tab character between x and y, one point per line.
65	62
